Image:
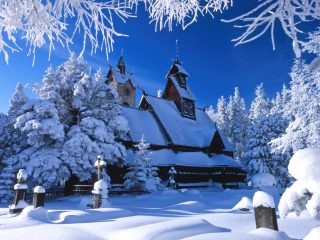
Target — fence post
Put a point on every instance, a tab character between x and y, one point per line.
172	182
19	201
264	211
100	194
39	194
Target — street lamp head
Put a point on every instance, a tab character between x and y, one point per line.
100	162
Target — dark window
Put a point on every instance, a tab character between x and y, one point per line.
127	92
188	108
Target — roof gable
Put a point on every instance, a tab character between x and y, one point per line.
119	77
182	131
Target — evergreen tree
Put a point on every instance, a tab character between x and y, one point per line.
44	134
87	107
258	157
211	113
279	123
11	143
302	112
237	123
141	174
221	118
6	172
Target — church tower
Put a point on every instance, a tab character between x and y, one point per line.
123	82
177	90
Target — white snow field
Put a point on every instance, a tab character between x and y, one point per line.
197	214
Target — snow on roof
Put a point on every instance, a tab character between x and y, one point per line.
183	131
183	92
227	144
181	69
166	157
122	78
142	122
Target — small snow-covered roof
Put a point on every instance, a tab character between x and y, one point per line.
142	122
122	78
183	92
181	69
183	131
166	157
227	144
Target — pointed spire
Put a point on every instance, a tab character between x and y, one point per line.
177	53
121	65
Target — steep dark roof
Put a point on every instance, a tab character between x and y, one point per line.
183	92
121	78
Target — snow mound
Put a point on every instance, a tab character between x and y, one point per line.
263	180
191	192
305	166
245	204
258	234
313	235
174	229
85	201
192	206
31	213
266	233
263	199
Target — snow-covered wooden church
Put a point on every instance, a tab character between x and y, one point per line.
179	133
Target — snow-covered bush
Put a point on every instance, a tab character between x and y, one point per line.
304	194
141	174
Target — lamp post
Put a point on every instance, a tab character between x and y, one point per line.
99	164
100	189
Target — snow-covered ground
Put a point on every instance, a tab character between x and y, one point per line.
184	214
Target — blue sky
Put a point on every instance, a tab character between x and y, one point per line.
215	66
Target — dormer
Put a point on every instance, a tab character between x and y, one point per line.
179	73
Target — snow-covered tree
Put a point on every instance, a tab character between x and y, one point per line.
4	136
41	126
47	23
279	123
18	99
258	157
211	113
6	172
11	142
88	109
303	112
141	174
237	123
221	117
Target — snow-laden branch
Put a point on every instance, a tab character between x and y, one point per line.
166	13
290	14
42	22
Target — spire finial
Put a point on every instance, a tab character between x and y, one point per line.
177	50
177	53
122	50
